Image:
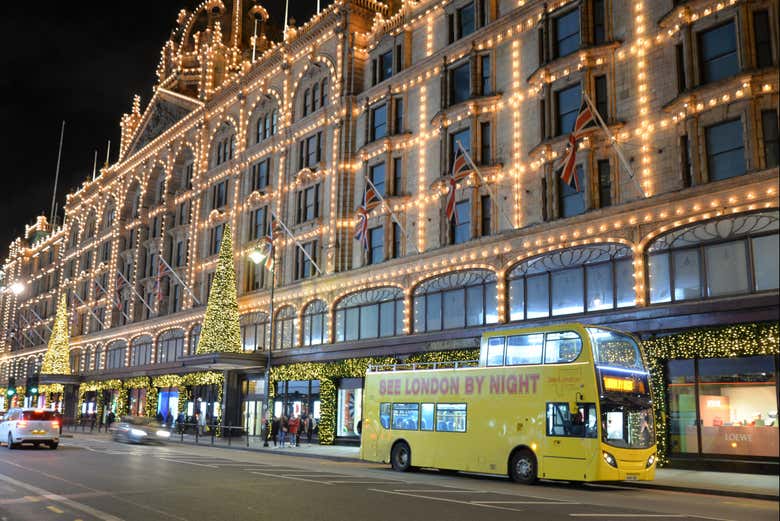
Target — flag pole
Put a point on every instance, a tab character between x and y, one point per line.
297	243
134	291
613	142
392	213
106	294
254	41
176	275
81	301
108	153
487	185
94	166
57	172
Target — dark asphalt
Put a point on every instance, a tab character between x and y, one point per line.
92	479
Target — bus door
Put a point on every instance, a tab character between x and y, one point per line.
570	441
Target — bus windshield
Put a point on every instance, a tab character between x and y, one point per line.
612	349
627	426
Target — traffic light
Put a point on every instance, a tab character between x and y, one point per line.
11	391
32	385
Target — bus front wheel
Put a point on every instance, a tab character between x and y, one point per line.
522	467
401	457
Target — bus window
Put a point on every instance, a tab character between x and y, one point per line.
406	416
451	417
580	423
426	418
384	415
524	349
615	350
562	347
495	351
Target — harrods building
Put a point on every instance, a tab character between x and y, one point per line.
676	241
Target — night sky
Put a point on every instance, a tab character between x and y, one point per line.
81	62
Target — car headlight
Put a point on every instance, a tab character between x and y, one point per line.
609	458
163	434
137	432
650	461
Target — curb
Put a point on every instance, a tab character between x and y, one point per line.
707	491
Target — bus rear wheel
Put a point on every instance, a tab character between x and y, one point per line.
522	467
401	457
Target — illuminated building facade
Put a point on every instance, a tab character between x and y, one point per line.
239	127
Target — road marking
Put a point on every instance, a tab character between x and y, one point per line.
55	509
521	502
446	500
358	482
288	477
104	516
429	490
632	515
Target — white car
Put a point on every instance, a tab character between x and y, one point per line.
36	426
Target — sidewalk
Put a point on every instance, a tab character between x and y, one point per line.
754	486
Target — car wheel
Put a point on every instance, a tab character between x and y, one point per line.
401	457
53	445
11	444
522	467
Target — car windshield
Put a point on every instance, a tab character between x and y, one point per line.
615	350
38	415
627	427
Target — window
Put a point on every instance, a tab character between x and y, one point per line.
376	245
566	33
582	423
315	319
215	239
763	34
115	355
194	339
286	325
771	142
460	83
605	183
464	138
398	236
254	332
567	106
257	223
385	66
308	207
457	300
486	155
426	416
562	347
176	298
306	98
718	53
219	194
384	415
466	20
599	25
141	351
600	84
377	175
372	313
460	226
725	150
170	346
451	417
524	349
576	280
406	416
486	214
685	159
495	351
180	254
398	126
572	202
486	86
304	268
722	257
379	122
184	213
323	98
261	172
310	151
188	171
679	52
315	96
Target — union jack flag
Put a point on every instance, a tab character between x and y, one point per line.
120	282
267	246
567	171
460	170
161	270
370	200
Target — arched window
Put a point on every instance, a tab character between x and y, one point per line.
372	313
170	346
74	360
98	358
194	339
306	97
141	351
254	331
89	231
460	299
286	325
74	236
324	92
576	280
315	320
108	216
729	256
88	359
315	96
115	354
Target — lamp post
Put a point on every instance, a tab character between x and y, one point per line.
259	256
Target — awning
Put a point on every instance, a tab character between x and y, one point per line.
225	361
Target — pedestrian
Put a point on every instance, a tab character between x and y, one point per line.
92	420
169	419
180	419
294	427
282	430
275	429
110	419
159	417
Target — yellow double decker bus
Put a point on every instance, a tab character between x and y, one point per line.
565	402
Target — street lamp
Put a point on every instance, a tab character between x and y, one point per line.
258	256
17	288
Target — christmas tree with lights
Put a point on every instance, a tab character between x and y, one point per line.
55	361
221	328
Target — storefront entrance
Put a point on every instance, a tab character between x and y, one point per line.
296	398
253	404
723	407
350	406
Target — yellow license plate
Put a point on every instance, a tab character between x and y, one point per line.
632	477
39	432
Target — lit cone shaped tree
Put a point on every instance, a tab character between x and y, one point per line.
55	361
221	328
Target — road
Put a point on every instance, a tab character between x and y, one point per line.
97	479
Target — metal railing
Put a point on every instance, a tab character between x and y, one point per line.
422	366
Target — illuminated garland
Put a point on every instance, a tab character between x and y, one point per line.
143	382
724	342
221	330
55	361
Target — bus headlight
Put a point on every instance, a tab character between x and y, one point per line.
609	458
650	461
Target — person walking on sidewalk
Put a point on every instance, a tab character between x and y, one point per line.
294	428
275	429
282	430
109	420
